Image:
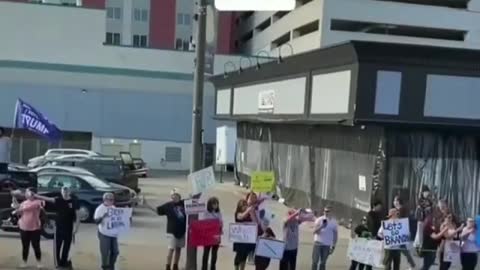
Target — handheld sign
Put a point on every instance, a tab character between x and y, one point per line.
368	252
263	181
396	233
243	233
202	180
195	206
452	252
117	221
270	248
204	233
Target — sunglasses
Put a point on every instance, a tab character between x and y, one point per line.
326	211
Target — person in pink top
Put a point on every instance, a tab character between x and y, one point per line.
30	225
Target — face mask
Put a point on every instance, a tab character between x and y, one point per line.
396	204
426	194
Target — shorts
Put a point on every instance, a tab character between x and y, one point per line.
174	242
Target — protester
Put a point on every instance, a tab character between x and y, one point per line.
424	210
469	256
374	218
403	213
262	263
430	243
66	223
213	212
392	257
362	232
325	238
174	210
108	240
5	147
290	236
243	214
448	231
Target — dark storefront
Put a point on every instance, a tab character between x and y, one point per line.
331	122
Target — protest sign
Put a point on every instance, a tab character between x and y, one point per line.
243	233
270	248
452	252
204	232
118	220
202	180
396	233
262	181
477	233
364	251
195	206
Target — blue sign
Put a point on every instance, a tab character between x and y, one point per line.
29	118
477	236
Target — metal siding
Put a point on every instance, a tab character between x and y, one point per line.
110	113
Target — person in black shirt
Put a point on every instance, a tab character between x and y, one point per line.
67	222
374	218
362	232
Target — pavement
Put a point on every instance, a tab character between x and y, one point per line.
144	248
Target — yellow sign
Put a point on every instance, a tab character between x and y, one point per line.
262	181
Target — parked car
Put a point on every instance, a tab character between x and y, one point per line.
52	153
141	166
88	189
111	169
14	180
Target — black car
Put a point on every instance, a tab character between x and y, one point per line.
88	189
111	169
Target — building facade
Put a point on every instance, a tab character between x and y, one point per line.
319	23
102	96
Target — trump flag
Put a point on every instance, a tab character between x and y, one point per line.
27	117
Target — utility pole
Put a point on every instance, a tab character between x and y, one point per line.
198	84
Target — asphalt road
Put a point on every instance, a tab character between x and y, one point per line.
145	246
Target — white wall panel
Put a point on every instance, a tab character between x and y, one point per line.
331	93
223	101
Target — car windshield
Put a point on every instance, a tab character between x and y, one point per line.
95	182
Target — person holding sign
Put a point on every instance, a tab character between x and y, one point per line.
174	210
470	249
448	231
290	236
430	240
213	212
325	238
403	213
361	231
262	263
392	254
243	214
107	237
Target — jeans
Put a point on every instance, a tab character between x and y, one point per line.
319	256
62	243
108	251
33	238
361	266
392	259
428	259
206	253
289	260
406	253
469	261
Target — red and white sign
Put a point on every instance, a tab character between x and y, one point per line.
204	233
195	206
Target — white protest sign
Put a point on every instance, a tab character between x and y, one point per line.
452	252
195	206
202	180
117	221
368	252
396	233
270	248
243	233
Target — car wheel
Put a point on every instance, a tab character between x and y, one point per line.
85	212
48	228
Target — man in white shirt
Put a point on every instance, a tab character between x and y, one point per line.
5	147
108	240
325	239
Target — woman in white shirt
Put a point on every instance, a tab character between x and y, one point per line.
469	246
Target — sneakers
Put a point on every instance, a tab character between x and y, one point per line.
23	265
39	265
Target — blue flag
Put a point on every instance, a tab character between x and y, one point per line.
29	118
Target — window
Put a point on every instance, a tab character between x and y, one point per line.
140	41
43	181
137	14
178	44
60	181
110	12
187	19
173	154
117	13
179	18
144	15
112	38
186	45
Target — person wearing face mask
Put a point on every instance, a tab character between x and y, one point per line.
108	241
174	210
403	213
67	223
470	249
30	226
